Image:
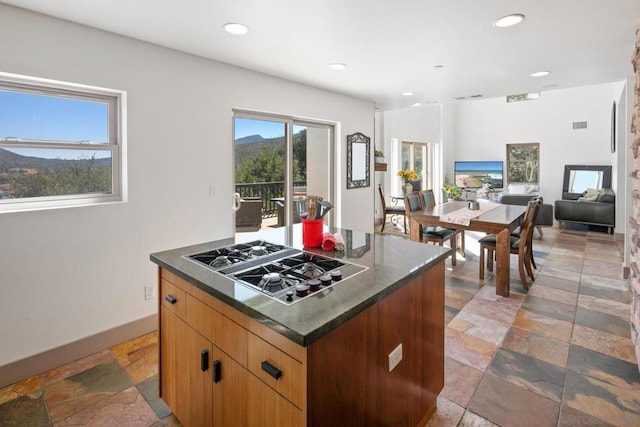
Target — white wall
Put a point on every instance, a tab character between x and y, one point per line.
480	130
417	124
70	273
484	127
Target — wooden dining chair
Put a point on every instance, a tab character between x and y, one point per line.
390	210
521	245
437	235
427	200
517	231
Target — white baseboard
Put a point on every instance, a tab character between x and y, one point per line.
42	362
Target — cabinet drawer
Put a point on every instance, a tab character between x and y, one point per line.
220	330
172	298
291	381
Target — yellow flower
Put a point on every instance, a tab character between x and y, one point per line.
452	191
408	175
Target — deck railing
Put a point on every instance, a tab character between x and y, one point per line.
266	191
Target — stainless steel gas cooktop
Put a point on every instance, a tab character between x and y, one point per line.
285	274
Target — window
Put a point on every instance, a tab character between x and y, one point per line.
415	155
60	144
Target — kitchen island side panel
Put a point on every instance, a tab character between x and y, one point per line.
349	382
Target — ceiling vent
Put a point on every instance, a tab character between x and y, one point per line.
523	97
579	125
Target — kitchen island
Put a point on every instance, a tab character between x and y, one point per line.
368	350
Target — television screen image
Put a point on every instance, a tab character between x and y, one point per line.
474	174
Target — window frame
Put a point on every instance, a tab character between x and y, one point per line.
115	144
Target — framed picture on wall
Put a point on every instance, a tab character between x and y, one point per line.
523	163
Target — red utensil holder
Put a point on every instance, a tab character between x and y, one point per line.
312	233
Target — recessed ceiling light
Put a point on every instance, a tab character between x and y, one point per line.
409	93
236	29
337	66
417	104
509	20
540	73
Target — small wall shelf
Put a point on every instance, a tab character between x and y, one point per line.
381	167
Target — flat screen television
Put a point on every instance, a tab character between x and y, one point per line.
474	174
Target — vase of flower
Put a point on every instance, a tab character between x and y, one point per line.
452	192
407	175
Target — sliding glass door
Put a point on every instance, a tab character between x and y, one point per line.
278	162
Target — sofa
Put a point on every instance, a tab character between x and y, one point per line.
545	215
575	207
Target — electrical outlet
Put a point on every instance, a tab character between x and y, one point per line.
212	190
395	357
148	292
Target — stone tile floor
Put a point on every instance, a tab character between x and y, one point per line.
558	355
115	387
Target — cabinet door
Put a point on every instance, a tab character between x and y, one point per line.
185	371
230	384
266	408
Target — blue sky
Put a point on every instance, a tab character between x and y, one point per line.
39	117
29	116
479	166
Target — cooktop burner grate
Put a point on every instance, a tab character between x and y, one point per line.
280	272
225	257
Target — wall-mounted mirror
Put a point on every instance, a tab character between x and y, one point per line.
358	160
577	178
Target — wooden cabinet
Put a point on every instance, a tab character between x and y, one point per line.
185	371
349	381
265	379
231	392
205	375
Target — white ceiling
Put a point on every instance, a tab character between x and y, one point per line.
389	46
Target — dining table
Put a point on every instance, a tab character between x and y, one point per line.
486	217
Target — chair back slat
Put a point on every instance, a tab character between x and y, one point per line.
427	199
384	203
412	202
528	223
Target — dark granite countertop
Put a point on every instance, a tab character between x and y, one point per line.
391	262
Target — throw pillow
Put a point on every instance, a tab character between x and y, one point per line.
523	189
590	195
606	195
517	189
